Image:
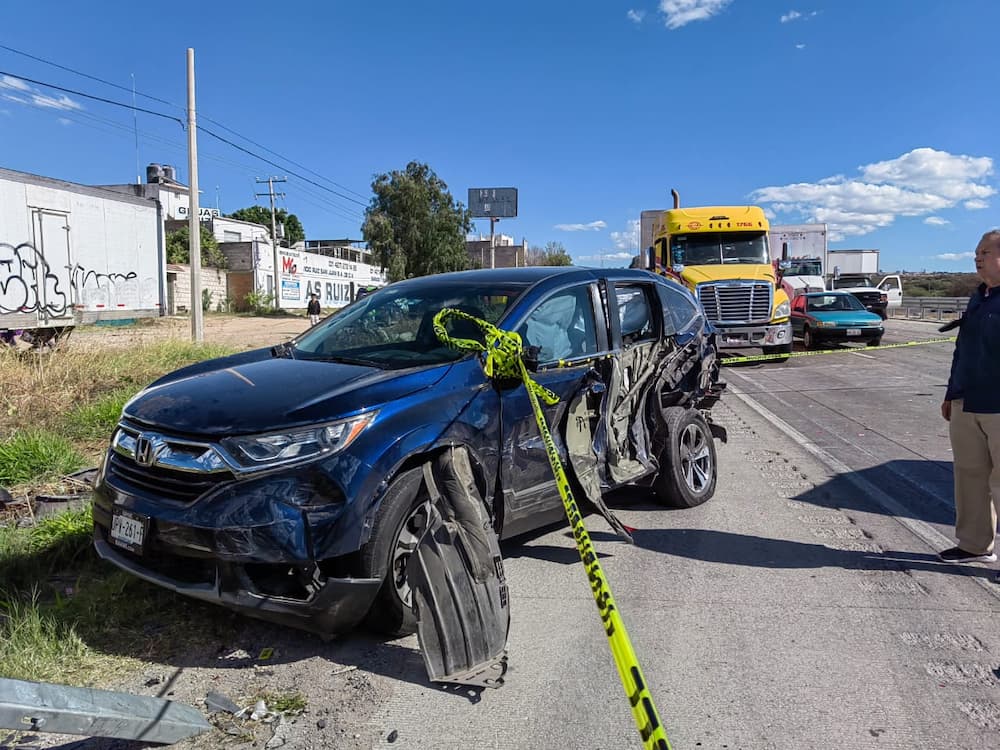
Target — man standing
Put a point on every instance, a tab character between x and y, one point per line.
313	309
972	407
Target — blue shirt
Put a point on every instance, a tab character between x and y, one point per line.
975	367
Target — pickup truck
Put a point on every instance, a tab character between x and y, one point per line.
876	298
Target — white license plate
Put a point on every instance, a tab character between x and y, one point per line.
853	331
128	530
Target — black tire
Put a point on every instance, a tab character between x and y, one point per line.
399	521
779	349
688	466
875	342
808	339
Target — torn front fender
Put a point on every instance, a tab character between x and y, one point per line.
456	574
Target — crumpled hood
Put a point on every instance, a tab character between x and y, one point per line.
695	275
270	394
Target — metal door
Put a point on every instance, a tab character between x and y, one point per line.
51	263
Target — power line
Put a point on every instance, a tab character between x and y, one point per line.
206	131
86	75
171	104
178	120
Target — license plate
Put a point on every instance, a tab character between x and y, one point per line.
734	340
853	331
128	530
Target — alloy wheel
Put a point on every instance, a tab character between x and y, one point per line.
696	459
410	531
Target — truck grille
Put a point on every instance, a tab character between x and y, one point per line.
736	303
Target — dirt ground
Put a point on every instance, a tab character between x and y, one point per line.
234	330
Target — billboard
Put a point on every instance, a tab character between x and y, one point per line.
497	203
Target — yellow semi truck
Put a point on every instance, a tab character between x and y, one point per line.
721	254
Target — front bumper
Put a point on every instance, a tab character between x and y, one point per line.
741	337
336	606
241	545
840	334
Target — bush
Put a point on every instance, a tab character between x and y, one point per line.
259	303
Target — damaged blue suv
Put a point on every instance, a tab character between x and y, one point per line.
292	483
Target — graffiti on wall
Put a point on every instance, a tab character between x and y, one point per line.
27	283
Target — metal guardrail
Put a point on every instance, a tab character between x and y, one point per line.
929	308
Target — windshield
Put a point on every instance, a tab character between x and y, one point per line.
832	303
393	327
709	248
805	268
845	282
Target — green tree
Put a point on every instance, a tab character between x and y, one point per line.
294	232
179	248
553	254
414	225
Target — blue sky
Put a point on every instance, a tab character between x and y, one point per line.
880	118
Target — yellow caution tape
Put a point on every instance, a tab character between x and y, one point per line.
503	359
766	357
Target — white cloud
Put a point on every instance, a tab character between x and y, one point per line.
63	102
9	82
920	182
955	256
593	226
794	15
936	221
65	121
33	96
635	16
976	205
677	13
800	46
629	239
5	112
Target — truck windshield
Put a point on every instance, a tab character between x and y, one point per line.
708	248
801	267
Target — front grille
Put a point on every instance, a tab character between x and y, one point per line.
736	303
159	482
868	298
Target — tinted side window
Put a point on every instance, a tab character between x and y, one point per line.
562	326
681	308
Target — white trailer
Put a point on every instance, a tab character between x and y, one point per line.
851	262
789	241
73	254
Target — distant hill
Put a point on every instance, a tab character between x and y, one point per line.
938	284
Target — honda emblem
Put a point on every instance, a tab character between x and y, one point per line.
144	453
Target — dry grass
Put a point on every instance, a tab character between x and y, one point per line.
65	616
74	394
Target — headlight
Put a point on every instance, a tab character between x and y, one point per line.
825	324
297	445
783	310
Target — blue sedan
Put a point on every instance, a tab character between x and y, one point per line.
827	317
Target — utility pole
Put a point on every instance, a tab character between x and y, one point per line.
493	247
274	235
194	215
